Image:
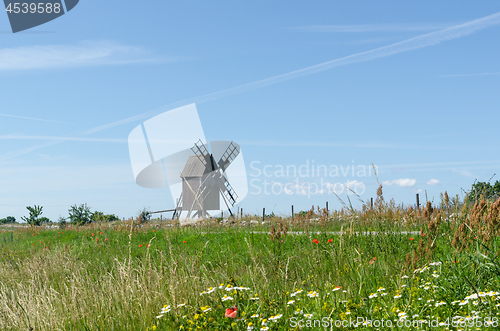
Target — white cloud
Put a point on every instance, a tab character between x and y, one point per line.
63	138
89	53
424	40
464	172
433	182
402	182
406	27
32	118
473	75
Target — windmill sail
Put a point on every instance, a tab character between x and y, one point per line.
229	155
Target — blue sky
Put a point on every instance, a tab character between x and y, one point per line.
412	87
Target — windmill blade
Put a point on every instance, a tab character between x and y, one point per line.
231	152
200	150
227	191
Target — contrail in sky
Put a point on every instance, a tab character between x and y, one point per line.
425	40
32	118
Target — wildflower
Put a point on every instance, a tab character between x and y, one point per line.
184	242
312	294
291	302
315	241
210	290
231	312
330	240
140	245
147	245
397	296
380	289
264	328
404	277
225	298
181	305
373	295
295	293
308	315
255	316
275	318
205	309
337	288
411	239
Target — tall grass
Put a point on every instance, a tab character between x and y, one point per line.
109	278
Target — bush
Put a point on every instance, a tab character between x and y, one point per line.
8	219
80	215
144	215
62	223
33	219
484	190
44	220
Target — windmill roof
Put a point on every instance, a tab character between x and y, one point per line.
194	167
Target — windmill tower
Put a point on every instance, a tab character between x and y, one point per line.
204	182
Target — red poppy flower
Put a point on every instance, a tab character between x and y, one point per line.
231	312
315	241
411	239
101	232
330	240
148	245
92	234
184	241
96	239
140	245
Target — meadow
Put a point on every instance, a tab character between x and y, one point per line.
380	267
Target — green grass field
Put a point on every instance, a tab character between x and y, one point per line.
436	266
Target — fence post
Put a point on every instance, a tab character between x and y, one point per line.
418	202
292	214
241	211
371	202
222	214
263	214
